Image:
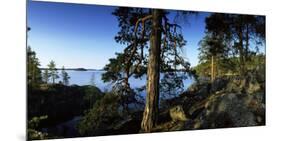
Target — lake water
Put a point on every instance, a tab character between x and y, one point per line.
89	77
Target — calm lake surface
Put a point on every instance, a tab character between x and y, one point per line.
89	77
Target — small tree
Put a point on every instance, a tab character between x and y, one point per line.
46	76
65	76
53	71
212	49
33	71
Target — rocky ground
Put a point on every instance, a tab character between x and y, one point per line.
224	103
227	102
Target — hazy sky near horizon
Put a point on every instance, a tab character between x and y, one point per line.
76	35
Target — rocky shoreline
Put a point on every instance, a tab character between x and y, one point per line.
225	103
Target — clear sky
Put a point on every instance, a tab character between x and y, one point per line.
76	35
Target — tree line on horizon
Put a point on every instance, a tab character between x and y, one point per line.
35	76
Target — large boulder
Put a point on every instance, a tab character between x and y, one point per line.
173	119
248	84
227	102
236	85
177	113
219	84
232	110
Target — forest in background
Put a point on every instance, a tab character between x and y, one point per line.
229	87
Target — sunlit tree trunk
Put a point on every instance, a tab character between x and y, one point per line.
217	72
153	73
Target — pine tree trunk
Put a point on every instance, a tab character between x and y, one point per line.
153	73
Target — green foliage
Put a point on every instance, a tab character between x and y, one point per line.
32	130
36	135
203	69
230	39
230	66
92	94
212	46
59	102
34	77
127	18
135	33
227	66
171	84
257	67
33	71
102	116
53	71
114	69
34	122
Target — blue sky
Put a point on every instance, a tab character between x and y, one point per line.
75	35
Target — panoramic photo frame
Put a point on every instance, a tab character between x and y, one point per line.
96	70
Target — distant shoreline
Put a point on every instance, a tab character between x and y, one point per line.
74	69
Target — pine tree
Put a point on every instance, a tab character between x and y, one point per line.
240	31
33	71
152	46
53	71
34	77
212	49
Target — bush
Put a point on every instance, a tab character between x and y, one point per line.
32	128
92	94
102	116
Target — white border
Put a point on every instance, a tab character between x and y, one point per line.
259	7
12	72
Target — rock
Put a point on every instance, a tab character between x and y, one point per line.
219	84
204	91
227	102
253	87
122	123
248	84
231	110
236	85
199	87
170	120
128	126
177	126
177	114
